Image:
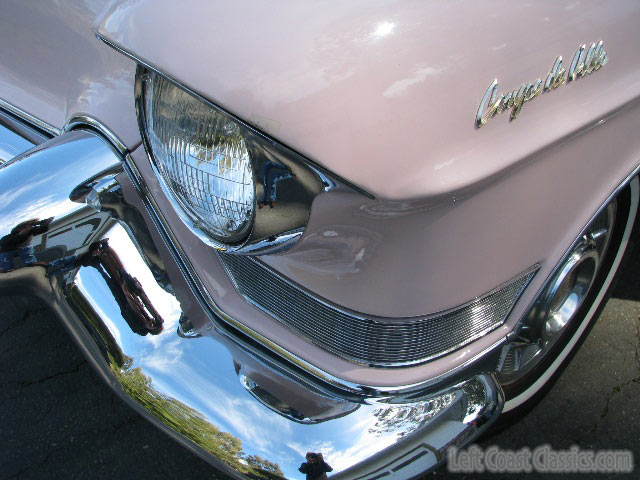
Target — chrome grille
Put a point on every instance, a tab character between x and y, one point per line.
371	340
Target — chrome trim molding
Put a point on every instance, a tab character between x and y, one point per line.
11	144
18	112
87	251
367	340
87	122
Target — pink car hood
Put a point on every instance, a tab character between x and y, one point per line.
385	93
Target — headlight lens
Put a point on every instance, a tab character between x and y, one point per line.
202	158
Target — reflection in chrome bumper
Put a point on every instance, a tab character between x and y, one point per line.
74	232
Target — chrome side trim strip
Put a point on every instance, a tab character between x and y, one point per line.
11	144
18	112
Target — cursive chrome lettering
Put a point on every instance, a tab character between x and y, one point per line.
492	103
557	76
585	61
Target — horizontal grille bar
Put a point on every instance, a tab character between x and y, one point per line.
371	340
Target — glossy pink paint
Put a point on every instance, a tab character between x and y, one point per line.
53	67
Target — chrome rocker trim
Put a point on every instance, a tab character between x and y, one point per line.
76	235
35	121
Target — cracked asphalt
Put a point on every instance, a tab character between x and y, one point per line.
58	419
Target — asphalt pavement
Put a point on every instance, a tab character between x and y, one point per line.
59	420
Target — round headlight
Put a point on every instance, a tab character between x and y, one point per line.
202	158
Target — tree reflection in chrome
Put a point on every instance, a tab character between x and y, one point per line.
192	424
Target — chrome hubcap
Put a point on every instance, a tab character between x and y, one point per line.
570	287
561	299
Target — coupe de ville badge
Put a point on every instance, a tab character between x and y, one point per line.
585	61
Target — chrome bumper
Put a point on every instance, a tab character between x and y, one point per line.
76	233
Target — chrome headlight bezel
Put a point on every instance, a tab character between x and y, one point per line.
202	158
279	215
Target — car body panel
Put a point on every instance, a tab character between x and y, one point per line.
445	244
53	67
385	93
